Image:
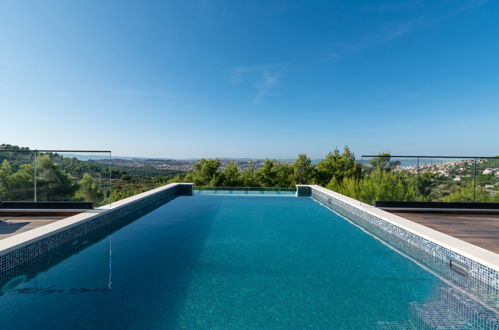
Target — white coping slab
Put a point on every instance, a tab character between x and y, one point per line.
476	253
43	210
426	209
17	241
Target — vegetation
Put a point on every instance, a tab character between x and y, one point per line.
67	178
380	182
381	179
61	178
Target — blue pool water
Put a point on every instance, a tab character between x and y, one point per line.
268	193
220	262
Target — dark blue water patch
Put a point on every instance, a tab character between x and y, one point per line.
45	261
222	262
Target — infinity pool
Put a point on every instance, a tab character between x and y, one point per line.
221	262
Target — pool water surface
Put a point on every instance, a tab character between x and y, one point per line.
223	262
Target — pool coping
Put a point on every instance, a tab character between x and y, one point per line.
17	242
468	250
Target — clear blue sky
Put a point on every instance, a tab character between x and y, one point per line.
251	78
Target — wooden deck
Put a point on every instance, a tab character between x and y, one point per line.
475	228
12	225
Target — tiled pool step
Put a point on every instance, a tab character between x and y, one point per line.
455	310
469	309
435	315
395	325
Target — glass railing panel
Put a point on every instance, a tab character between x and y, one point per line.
387	178
428	179
486	188
17	172
74	176
445	179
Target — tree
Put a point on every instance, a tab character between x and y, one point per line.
348	186
89	190
465	194
52	182
248	176
378	185
20	183
337	166
204	171
175	179
426	186
266	176
383	162
16	185
284	175
5	172
381	185
230	176
495	198
302	169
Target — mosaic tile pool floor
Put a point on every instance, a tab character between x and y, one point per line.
222	262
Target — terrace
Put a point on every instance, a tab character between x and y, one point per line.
13	225
480	229
455	195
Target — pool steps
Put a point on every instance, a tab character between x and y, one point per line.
454	310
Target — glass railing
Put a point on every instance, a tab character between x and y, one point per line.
55	175
428	179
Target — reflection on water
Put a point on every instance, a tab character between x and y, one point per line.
54	290
13	283
110	278
14	277
10	286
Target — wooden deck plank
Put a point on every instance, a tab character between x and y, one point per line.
12	225
478	229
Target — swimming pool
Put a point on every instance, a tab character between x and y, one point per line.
223	262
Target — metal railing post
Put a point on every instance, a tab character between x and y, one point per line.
417	179
34	177
474	181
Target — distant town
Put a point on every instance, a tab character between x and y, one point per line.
455	168
186	165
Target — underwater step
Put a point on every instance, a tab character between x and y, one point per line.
435	315
469	309
395	325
